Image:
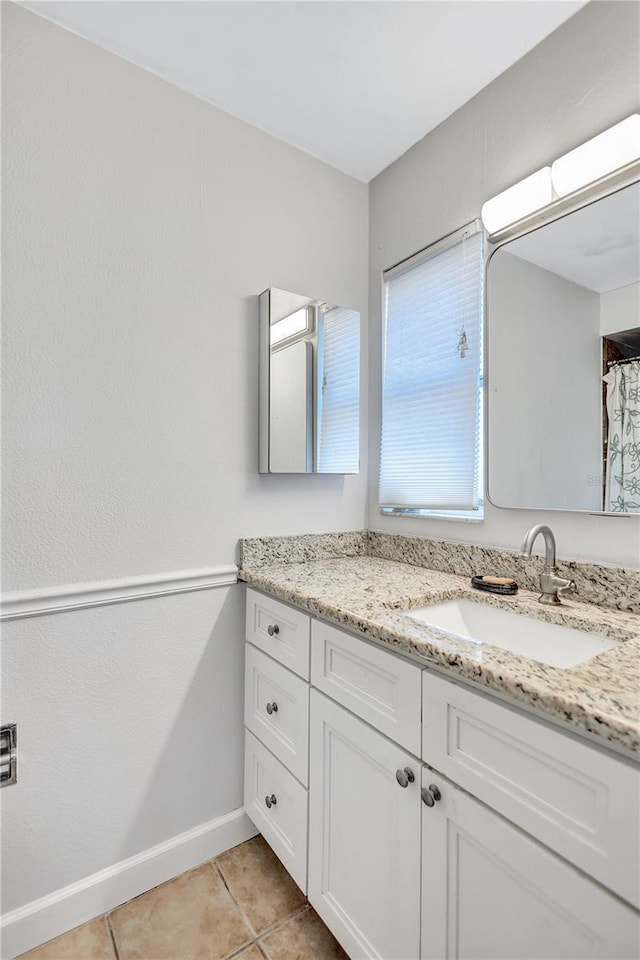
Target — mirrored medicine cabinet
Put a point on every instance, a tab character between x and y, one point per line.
309	385
563	361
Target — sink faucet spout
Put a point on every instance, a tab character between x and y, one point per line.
551	585
549	545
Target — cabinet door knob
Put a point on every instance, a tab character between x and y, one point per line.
430	794
273	629
405	777
270	801
272	708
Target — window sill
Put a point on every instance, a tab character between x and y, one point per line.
476	517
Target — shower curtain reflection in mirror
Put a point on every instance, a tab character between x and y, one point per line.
622	478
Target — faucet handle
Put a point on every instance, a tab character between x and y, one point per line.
566	586
553	587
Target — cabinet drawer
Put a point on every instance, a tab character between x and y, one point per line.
276	710
280	631
283	820
572	797
377	686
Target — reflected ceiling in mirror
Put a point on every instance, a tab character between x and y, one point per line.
309	385
563	362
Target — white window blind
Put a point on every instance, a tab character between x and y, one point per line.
339	390
431	417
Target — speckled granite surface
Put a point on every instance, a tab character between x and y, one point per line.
614	587
307	546
372	595
608	586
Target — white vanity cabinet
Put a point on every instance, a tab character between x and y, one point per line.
579	801
279	630
491	891
276	711
364	835
383	690
277	804
276	718
427	820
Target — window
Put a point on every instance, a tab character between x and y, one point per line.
431	445
339	390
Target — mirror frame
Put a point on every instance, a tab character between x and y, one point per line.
264	392
625	177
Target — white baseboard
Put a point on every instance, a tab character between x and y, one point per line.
44	919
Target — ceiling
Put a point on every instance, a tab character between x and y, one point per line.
597	246
353	83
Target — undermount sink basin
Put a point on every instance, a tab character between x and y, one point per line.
559	646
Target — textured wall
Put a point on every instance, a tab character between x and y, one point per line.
578	81
129	733
139	226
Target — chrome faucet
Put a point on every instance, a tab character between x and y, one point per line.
551	584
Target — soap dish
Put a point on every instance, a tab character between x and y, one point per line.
503	585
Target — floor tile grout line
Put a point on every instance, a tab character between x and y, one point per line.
47	943
256	938
247	946
238	953
274	926
281	923
240	909
107	917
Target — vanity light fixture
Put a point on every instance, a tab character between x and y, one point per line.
523	198
609	152
598	157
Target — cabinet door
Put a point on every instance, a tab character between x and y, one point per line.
571	796
364	839
491	892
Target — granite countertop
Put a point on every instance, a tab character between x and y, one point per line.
372	595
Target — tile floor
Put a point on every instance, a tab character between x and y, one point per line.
242	905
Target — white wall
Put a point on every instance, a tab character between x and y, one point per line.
130	732
579	80
544	428
139	226
620	309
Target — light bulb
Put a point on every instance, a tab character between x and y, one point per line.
518	201
609	151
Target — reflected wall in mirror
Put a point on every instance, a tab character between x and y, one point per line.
309	385
563	401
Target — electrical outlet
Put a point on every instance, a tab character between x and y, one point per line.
8	754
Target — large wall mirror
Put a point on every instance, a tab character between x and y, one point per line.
309	385
563	400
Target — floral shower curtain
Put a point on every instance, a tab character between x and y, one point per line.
622	480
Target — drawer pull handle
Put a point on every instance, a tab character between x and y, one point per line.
430	794
273	629
270	801
405	777
272	708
